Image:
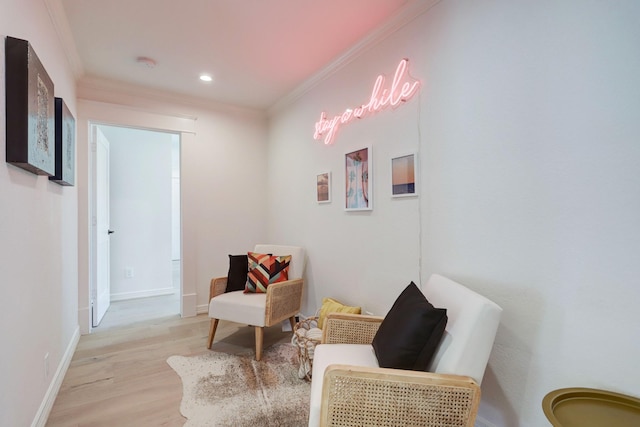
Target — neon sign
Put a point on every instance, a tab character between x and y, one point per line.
403	87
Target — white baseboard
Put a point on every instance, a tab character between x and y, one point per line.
52	392
189	307
84	317
122	296
481	422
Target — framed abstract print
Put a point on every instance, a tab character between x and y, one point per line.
404	175
357	180
30	110
323	187
65	140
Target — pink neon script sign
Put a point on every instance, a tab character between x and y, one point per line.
402	88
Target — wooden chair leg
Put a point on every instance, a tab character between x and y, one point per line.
292	320
259	341
212	331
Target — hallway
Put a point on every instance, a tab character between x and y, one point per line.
127	312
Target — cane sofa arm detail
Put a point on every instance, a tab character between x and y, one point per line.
283	301
347	328
217	287
357	396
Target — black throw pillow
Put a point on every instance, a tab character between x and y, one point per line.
410	333
237	276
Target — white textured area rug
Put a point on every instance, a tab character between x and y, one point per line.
220	389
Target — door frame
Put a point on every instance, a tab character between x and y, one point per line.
99	113
94	238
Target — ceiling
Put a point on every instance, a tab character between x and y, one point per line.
258	51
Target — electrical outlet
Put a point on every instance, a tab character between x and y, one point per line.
46	366
128	273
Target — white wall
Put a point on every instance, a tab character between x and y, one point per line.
38	254
140	207
526	127
527	132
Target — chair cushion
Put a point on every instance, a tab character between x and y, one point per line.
410	332
265	269
331	354
239	307
330	305
237	276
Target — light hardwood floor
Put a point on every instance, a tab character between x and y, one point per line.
135	310
122	313
119	376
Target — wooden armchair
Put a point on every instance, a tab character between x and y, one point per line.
348	388
281	301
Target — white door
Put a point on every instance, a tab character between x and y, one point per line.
103	289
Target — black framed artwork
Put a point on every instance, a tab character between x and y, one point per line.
30	110
65	144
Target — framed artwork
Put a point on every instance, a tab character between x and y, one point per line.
65	141
30	110
403	175
357	180
323	187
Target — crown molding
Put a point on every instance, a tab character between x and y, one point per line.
412	10
62	28
114	92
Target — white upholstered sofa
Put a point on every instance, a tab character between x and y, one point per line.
355	388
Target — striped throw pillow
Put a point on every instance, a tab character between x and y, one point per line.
265	269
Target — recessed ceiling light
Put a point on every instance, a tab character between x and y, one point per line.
206	78
149	62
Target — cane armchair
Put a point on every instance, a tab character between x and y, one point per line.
282	300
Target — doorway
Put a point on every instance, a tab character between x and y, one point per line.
142	193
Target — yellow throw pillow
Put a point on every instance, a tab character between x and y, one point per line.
329	305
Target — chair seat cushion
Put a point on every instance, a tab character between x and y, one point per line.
331	354
239	307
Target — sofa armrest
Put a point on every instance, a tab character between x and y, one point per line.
283	301
377	396
347	328
217	287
